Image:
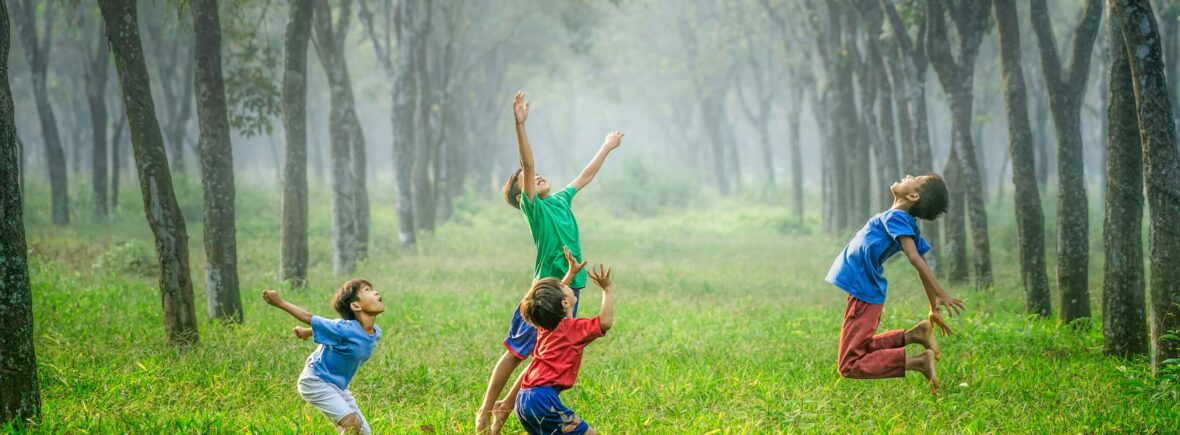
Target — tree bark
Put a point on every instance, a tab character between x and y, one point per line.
293	264
1030	220
344	216
1066	91
96	84
409	28
796	153
155	180
217	166
37	54
1124	320
957	79
20	396
117	159
1161	170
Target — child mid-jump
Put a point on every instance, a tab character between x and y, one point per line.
561	339
343	345
553	227
858	270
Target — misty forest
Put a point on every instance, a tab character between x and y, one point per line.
165	164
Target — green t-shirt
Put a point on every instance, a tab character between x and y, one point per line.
553	226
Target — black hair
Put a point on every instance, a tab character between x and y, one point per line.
346	295
932	199
541	307
512	189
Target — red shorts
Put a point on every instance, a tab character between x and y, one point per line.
864	355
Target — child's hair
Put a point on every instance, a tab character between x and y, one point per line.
346	295
542	305
932	199
512	189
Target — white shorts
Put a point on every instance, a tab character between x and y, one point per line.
334	402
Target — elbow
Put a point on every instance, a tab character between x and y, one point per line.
605	325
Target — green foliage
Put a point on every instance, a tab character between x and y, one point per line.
252	62
133	258
642	189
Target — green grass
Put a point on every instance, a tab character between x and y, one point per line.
724	324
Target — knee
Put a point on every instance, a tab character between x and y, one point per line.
844	368
351	423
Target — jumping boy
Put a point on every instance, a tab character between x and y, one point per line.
343	345
553	227
858	270
561	339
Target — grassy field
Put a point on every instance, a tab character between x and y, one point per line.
724	324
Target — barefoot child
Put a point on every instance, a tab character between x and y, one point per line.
343	345
561	338
858	270
553	227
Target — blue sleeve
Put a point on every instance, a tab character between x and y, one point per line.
327	332
900	224
566	195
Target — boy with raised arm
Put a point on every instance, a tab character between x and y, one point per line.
859	271
343	345
552	224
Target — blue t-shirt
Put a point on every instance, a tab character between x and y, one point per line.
343	346
859	269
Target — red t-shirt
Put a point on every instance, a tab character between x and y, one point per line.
558	354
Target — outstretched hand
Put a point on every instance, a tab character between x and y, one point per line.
520	108
953	306
574	265
936	319
272	297
601	277
613	139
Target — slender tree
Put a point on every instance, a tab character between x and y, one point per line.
957	79
155	180
96	85
1124	320
1030	220
342	131
1066	91
1161	163
20	397
37	54
293	265
217	166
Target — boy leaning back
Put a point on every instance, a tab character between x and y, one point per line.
553	228
343	345
859	271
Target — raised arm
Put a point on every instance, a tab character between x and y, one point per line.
934	292
612	141
606	315
528	176
272	297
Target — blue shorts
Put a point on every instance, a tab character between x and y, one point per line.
540	412
522	337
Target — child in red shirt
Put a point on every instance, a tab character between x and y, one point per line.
561	338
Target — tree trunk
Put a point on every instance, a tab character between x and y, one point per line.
20	396
427	151
1066	92
1124	321
117	159
1161	170
404	88
796	154
955	243
96	84
1030	220
180	121
217	166
293	265
343	185
37	53
155	181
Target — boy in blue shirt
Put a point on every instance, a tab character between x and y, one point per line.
343	345
858	270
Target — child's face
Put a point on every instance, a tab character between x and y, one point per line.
369	301
907	187
569	301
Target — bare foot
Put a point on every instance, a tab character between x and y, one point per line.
500	413
924	362
923	334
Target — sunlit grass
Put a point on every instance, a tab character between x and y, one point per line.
723	323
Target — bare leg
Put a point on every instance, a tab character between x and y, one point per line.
923	334
503	409
504	368
924	363
350	424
